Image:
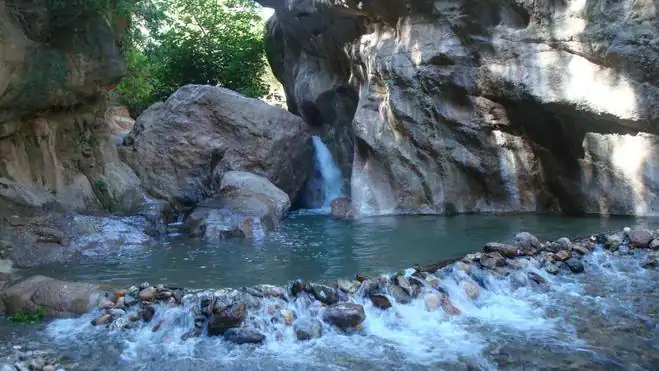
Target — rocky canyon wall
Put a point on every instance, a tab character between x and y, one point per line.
476	105
57	153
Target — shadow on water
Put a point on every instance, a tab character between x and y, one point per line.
317	247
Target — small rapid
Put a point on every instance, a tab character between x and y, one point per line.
515	313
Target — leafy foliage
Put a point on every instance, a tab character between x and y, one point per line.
217	42
29	317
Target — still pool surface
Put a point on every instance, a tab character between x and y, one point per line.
316	247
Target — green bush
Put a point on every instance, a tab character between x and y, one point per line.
196	42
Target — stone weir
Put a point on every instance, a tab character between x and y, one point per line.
250	315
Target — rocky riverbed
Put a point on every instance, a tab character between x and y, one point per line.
528	286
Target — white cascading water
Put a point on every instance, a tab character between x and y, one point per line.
332	183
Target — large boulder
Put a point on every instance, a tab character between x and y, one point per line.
182	148
478	105
245	204
54	296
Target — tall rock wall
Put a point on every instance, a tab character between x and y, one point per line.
476	105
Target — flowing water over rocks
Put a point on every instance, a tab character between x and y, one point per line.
486	311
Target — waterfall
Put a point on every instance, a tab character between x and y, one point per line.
331	182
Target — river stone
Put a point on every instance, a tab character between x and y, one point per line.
380	301
308	328
57	297
564	243
536	278
404	284
148	313
651	261
102	319
492	260
228	317
432	302
298	286
148	294
342	208
508	251
349	287
243	336
399	294
345	315
640	238
580	249
613	241
575	265
654	245
448	307
471	290
562	255
527	242
552	268
285	316
324	294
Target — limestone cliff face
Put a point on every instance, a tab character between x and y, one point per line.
57	152
55	143
475	105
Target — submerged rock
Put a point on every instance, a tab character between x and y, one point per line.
575	265
308	328
243	336
342	208
380	301
651	261
654	245
345	315
471	290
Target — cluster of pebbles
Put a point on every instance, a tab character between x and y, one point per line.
246	315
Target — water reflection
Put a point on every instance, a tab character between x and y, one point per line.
317	247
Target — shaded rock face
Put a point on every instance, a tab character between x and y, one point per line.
476	105
56	297
245	205
182	148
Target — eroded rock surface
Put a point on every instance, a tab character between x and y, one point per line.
182	148
474	105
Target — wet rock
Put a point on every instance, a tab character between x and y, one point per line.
492	260
654	245
508	251
105	303
148	313
285	316
342	208
349	287
580	249
324	294
58	297
651	261
345	315
144	285
243	336
360	277
552	268
613	241
519	279
308	328
380	301
228	317
562	255
404	284
575	265
102	320
471	290
432	302
448	307
121	303
564	243
399	294
194	333
298	286
527	242
134	291
135	316
640	239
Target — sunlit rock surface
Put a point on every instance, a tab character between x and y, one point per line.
474	105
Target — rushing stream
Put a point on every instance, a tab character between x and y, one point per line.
604	319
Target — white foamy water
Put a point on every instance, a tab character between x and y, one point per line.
332	183
572	321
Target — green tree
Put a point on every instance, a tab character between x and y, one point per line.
217	42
